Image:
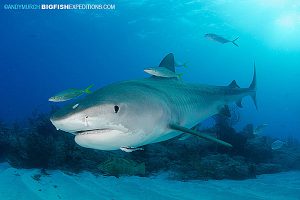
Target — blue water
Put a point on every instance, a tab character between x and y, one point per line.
46	51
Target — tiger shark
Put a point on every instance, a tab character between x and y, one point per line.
129	114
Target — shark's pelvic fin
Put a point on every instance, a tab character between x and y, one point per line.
168	62
233	84
196	133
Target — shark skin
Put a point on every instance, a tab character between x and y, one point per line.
134	113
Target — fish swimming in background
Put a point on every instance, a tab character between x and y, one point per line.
220	39
162	72
277	144
69	94
258	130
135	113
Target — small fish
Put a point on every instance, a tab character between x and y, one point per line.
162	72
277	144
131	149
220	39
181	64
258	130
69	94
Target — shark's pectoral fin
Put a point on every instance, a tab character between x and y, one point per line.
184	136
196	133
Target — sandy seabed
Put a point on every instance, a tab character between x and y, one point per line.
19	184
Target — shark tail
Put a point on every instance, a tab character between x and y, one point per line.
252	88
87	90
233	41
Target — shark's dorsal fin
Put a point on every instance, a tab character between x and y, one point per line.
168	62
233	84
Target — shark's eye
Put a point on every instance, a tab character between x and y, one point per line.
116	109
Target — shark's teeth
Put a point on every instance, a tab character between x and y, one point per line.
96	131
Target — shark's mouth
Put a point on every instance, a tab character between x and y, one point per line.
103	139
93	131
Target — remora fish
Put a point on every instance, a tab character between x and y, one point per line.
69	94
162	72
220	39
131	149
134	113
181	64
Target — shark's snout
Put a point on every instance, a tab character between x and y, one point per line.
91	135
69	124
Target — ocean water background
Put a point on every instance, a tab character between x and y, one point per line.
46	51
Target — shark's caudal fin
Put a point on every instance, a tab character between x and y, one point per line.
196	133
168	62
87	90
233	42
252	88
